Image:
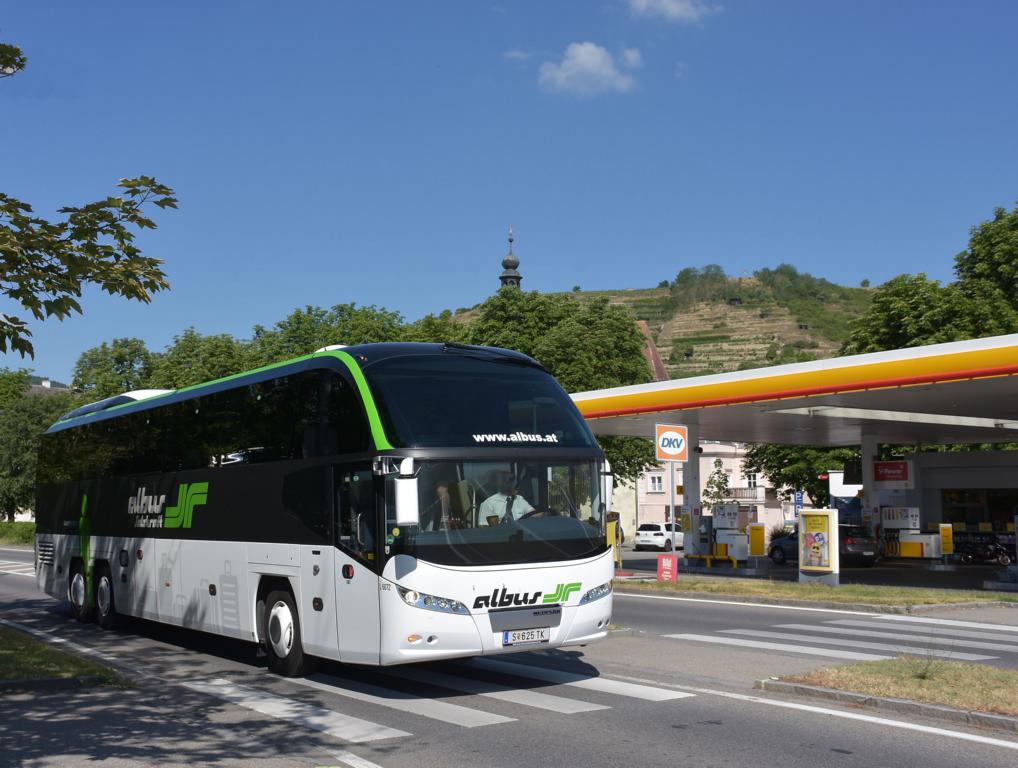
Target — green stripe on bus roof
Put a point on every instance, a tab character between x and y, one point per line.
377	432
381	441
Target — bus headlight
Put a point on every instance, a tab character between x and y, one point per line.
596	593
430	602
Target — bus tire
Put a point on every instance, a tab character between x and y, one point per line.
282	635
106	615
77	592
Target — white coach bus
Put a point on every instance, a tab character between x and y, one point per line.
373	504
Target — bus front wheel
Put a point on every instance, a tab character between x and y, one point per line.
77	592
282	635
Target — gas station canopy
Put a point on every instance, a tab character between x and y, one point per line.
961	392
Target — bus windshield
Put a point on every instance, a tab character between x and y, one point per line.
498	512
455	399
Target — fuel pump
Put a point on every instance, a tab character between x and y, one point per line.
729	534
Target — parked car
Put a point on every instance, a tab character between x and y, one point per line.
663	536
855	545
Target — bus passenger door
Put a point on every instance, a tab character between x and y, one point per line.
356	577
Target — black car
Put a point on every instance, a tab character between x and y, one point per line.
856	545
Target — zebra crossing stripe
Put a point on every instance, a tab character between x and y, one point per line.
950	623
402	701
932	640
525	697
17	568
807	650
924	630
894	648
599	684
316	718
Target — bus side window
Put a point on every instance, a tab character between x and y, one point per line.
355	512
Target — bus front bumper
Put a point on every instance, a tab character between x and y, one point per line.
431	635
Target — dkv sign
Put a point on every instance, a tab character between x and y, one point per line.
671	442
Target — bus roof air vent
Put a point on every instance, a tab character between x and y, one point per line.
110	402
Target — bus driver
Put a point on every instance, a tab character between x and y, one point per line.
506	504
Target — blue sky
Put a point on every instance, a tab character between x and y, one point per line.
330	152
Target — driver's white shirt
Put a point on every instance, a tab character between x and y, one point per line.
495	505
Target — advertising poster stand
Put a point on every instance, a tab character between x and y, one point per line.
818	547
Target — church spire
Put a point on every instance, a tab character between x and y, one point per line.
510	276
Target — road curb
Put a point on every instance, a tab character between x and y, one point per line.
45	684
862	607
904	706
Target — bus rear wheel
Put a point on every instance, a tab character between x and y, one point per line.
77	593
282	636
105	608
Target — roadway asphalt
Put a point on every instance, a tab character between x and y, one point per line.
640	698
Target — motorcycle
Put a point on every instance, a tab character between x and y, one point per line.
990	552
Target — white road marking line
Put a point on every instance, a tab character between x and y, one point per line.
951	623
403	702
750	605
786	647
924	630
600	684
351	759
316	718
939	640
846	715
894	648
17	568
525	697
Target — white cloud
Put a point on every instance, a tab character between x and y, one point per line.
632	58
680	11
586	69
516	55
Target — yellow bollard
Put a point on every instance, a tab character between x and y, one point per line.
613	540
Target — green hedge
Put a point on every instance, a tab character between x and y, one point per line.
17	533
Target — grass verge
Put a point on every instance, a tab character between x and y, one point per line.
956	684
22	657
17	533
791	591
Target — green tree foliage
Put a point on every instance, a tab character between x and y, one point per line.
585	344
796	467
717	491
692	285
437	328
912	310
992	254
13	384
824	306
12	60
22	422
45	264
516	319
194	358
109	369
305	330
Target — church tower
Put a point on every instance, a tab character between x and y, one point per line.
510	275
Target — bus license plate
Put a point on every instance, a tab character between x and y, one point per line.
526	636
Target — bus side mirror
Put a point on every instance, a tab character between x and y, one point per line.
407	512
